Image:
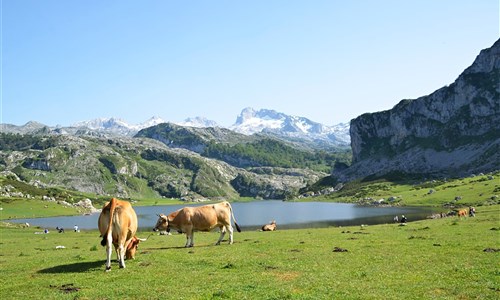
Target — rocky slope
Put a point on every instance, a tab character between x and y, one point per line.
138	167
451	132
244	151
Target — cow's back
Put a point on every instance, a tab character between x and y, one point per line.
202	218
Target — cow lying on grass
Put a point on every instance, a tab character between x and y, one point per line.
269	227
202	218
118	225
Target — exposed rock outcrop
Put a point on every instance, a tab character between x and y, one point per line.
453	131
131	167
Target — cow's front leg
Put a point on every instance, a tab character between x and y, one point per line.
222	233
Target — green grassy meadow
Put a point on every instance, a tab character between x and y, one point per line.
476	190
429	259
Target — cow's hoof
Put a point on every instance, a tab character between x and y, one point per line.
108	269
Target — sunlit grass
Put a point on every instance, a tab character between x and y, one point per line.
476	191
440	259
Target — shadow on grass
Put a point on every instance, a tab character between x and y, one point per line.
74	268
173	248
182	247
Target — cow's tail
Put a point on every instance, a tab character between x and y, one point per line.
112	206
234	219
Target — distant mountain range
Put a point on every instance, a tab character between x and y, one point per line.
264	121
110	157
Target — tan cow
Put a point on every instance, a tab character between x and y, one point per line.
118	225
462	213
269	227
202	218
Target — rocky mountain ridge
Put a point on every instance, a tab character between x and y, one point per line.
279	125
453	131
117	126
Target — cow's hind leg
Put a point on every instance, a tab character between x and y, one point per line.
230	229
109	250
189	238
121	255
222	233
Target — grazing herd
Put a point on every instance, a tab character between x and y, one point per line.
461	213
118	225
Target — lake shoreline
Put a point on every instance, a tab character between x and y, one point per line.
252	215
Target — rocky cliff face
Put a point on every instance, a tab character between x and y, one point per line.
453	131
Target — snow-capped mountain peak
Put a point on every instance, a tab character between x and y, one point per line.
118	126
252	121
155	120
110	123
198	122
101	123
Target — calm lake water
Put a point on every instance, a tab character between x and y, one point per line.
252	215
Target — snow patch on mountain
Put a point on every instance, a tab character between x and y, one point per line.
200	122
252	121
249	122
118	126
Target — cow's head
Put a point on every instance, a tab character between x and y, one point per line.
132	247
162	223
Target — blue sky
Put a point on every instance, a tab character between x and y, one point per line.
329	61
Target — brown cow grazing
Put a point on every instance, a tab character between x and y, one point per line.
462	213
269	227
118	225
202	218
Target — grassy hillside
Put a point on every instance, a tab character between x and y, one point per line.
447	258
244	151
477	190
